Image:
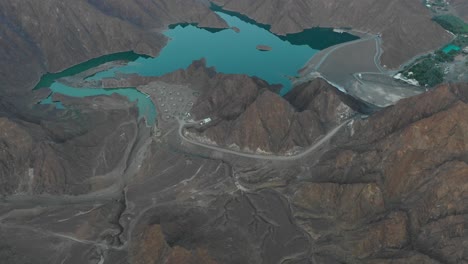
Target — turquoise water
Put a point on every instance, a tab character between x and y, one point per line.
48	79
227	51
145	106
450	47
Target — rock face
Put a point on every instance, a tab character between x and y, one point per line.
249	117
415	153
15	145
403	24
265	126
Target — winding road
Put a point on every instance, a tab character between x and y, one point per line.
324	139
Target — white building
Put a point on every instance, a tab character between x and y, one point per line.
205	121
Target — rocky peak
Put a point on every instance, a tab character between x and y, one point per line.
416	153
250	117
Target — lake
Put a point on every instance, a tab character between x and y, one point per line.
229	51
235	52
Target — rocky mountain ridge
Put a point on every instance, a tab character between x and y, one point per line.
76	31
271	124
92	184
248	115
413	157
403	24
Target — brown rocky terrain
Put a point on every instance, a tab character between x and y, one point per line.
387	189
69	152
93	185
409	162
152	247
461	8
271	124
249	116
82	30
403	24
16	144
160	14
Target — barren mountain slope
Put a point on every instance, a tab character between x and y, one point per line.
390	189
90	184
461	7
249	116
51	35
415	155
69	151
159	14
406	26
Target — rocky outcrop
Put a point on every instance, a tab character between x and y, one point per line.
268	125
403	173
406	26
327	102
264	48
261	121
15	147
151	247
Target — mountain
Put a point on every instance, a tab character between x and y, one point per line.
409	165
388	189
65	152
406	26
81	30
92	184
76	31
249	115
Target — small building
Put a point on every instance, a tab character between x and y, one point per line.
205	121
465	50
